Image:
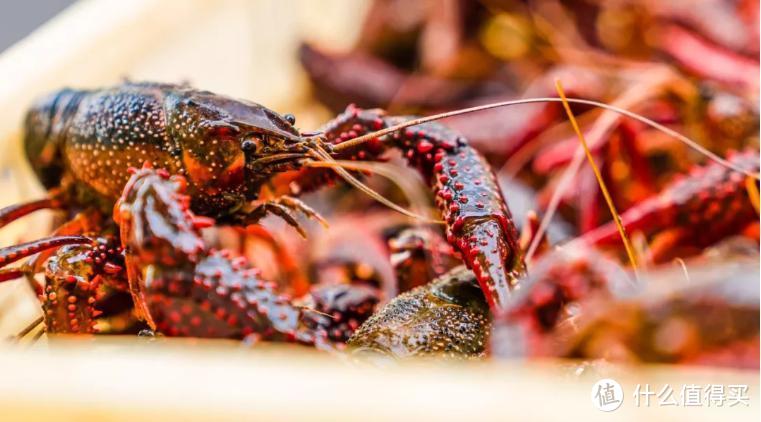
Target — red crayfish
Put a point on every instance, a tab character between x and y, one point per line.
170	160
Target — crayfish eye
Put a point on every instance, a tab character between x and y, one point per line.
248	145
290	118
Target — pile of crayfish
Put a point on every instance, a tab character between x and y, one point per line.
163	193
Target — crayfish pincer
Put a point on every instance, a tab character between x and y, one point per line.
226	154
182	287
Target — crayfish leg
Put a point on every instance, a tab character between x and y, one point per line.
283	207
13	212
10	254
88	221
11	273
69	295
288	268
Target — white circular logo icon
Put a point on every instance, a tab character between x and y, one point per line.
607	395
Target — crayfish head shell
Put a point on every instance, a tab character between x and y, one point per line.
229	145
192	109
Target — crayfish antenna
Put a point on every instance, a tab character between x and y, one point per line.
28	329
370	136
410	190
340	169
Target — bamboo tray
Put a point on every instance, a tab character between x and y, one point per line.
245	49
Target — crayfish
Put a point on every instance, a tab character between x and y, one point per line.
701	208
142	168
696	72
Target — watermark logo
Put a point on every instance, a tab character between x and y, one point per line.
607	395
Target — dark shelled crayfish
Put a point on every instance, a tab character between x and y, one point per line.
216	159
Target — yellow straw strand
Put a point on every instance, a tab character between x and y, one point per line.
603	188
750	186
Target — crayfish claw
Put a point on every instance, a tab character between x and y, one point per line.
182	287
478	222
496	263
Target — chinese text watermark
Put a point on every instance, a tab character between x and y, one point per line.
692	395
608	395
